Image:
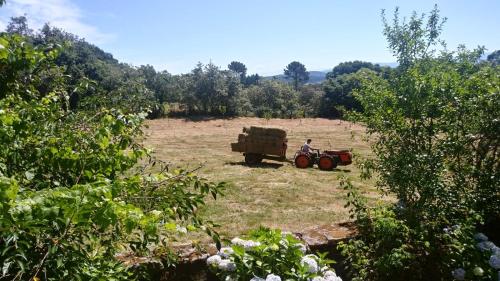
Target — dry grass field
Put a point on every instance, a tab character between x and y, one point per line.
273	194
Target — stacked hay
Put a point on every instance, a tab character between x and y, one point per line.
261	140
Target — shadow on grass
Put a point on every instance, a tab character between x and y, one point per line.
201	118
327	171
265	165
342	170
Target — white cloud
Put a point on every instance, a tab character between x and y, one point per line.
60	13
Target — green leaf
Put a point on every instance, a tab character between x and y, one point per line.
5	267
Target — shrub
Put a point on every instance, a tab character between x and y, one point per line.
434	134
270	255
77	188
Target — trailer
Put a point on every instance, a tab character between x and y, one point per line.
258	143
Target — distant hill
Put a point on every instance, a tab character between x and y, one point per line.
315	77
389	64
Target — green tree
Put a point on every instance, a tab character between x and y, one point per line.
494	58
310	100
339	94
413	39
150	75
76	188
19	25
353	67
239	68
297	72
212	91
433	130
107	82
252	79
274	99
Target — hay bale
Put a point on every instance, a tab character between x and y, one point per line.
276	132
261	140
265	138
238	147
253	148
265	131
274	151
242	138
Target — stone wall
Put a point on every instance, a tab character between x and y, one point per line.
192	266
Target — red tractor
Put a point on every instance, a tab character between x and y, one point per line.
326	160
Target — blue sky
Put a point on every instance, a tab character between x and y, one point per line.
264	34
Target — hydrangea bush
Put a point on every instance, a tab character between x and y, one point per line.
485	261
270	255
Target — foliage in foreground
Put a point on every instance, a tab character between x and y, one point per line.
435	133
272	256
72	192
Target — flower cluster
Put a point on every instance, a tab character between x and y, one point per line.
487	247
247	244
310	263
269	255
220	263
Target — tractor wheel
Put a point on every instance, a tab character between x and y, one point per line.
327	163
253	158
302	161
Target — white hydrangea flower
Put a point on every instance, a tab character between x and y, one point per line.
329	273
495	250
20	209
237	241
251	244
272	277
302	247
309	262
156	213
181	229
318	278
486	246
227	265
480	237
284	243
247	244
478	271
257	279
458	274
225	252
333	278
214	260
495	261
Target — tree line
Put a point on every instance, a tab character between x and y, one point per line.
206	90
